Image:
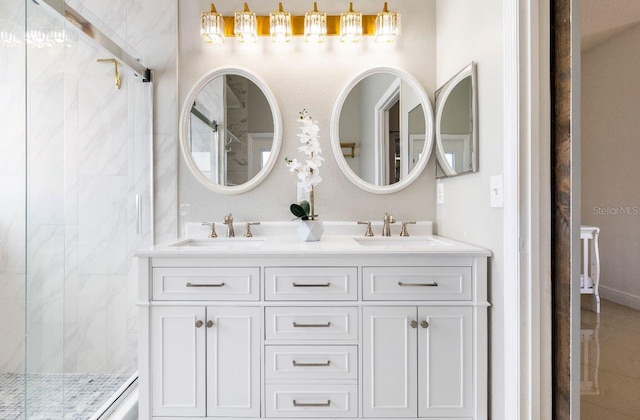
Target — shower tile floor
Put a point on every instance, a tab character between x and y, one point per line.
83	395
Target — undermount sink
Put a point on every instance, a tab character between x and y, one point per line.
221	242
398	241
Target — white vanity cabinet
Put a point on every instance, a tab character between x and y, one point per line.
206	361
417	362
283	334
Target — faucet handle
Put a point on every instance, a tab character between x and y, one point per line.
228	219
247	232
212	225
404	231
369	231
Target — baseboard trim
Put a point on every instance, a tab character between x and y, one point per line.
620	297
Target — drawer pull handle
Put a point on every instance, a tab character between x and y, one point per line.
296	325
434	284
327	363
297	404
312	284
205	285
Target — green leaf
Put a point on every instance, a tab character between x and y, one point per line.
299	211
306	206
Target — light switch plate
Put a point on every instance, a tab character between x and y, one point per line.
440	193
496	191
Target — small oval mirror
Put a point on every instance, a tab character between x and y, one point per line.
457	125
230	131
382	130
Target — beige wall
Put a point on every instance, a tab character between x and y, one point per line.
307	76
610	161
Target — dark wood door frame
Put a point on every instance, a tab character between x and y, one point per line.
564	140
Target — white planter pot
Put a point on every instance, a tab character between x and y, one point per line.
310	230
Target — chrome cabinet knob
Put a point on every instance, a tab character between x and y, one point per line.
424	324
209	324
199	323
414	324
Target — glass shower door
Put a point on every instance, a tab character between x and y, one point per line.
75	188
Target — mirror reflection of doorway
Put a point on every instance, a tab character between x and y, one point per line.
392	140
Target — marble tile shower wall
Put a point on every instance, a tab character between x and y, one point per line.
12	208
81	294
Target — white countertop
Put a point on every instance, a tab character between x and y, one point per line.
280	238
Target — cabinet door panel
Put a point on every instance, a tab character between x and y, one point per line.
445	362
233	362
178	357
389	362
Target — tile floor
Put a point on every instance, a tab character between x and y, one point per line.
83	395
610	381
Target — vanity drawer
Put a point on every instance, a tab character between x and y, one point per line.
311	323
416	283
311	283
207	283
310	400
311	362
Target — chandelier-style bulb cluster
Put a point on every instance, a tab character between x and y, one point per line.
212	26
246	25
387	25
350	25
315	25
280	25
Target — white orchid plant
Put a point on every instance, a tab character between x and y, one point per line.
308	171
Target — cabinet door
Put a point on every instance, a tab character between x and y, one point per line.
445	362
178	360
389	368
233	361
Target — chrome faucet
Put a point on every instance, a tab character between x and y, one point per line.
386	229
228	220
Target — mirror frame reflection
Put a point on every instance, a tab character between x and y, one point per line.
338	149
185	132
443	167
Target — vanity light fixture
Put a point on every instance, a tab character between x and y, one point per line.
246	25
315	25
280	25
212	26
387	25
350	25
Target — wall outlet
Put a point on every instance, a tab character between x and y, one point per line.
303	195
496	191
440	193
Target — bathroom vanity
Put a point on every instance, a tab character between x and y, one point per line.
347	327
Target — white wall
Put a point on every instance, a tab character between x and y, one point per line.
311	77
472	31
610	166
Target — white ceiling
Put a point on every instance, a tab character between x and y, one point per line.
602	19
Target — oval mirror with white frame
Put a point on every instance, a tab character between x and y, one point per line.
457	125
382	130
230	130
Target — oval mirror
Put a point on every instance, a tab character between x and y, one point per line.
230	131
457	125
382	130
